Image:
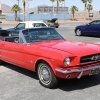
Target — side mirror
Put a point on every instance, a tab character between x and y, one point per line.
16	40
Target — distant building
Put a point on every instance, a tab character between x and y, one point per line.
51	9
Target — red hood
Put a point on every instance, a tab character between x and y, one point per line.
75	48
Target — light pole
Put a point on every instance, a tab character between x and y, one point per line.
18	2
19	11
28	8
57	9
0	4
24	4
0	8
64	10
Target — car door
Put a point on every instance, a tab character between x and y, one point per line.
19	27
12	53
98	28
92	28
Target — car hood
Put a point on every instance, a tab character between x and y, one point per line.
10	29
72	47
81	25
53	20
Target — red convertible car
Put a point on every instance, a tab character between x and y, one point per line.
45	51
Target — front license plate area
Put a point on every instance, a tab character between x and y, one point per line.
94	71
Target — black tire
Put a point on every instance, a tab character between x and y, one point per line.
46	75
1	62
78	32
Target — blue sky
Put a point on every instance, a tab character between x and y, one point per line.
69	3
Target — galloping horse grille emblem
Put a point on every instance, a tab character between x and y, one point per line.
96	57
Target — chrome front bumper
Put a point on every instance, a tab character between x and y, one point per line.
77	70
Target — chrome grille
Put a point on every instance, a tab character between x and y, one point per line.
90	58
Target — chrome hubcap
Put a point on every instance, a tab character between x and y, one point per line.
78	32
44	74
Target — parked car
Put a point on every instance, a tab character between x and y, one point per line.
91	29
45	51
52	23
22	25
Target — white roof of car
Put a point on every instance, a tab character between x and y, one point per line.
32	22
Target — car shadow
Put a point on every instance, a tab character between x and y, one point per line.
91	36
65	85
21	70
78	84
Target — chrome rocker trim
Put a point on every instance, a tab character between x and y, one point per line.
77	70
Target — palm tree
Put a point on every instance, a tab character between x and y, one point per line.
24	4
73	9
85	5
57	4
89	8
16	9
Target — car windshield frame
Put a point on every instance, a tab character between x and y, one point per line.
32	35
96	22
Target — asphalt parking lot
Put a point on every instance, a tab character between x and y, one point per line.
20	84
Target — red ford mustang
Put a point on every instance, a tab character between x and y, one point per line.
46	52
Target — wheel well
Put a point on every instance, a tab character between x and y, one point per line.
38	63
76	29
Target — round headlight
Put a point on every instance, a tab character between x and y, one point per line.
67	61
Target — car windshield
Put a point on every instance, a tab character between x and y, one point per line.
41	34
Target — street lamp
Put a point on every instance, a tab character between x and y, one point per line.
24	4
18	2
0	4
28	8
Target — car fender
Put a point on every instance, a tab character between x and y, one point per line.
48	61
77	28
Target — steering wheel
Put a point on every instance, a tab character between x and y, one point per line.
16	40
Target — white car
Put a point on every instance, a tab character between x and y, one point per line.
27	24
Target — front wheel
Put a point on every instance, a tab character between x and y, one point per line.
57	26
78	32
46	75
1	62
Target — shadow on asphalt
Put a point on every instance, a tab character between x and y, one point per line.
90	36
77	84
65	85
21	70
